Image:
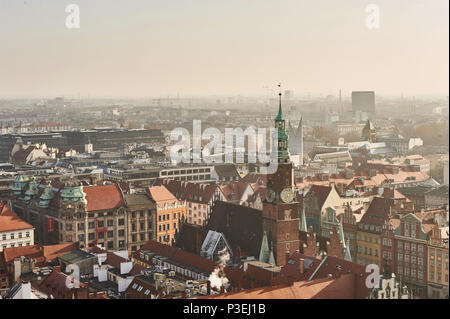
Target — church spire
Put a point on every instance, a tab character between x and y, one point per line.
282	136
264	252
280	111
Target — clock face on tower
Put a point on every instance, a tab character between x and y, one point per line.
270	195
287	195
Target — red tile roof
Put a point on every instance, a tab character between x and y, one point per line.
161	195
51	252
321	192
34	251
323	268
324	288
234	190
41	253
378	212
55	285
21	155
10	221
178	255
192	192
103	197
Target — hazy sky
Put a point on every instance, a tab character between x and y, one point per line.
146	48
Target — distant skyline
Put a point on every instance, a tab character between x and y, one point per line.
156	48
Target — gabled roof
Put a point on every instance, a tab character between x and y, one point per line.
34	251
192	192
161	195
241	225
211	241
41	253
392	194
191	237
103	197
21	155
320	192
255	178
51	252
378	212
9	221
55	285
233	191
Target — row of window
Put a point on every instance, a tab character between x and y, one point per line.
188	171
439	253
109	234
438	276
19	235
406	258
167	216
368	239
166	227
410	272
439	264
101	224
368	251
20	244
141	226
141	237
412	247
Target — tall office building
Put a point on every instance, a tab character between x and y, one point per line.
363	101
296	143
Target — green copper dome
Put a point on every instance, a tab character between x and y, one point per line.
47	196
32	190
73	192
19	184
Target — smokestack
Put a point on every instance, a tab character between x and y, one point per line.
208	287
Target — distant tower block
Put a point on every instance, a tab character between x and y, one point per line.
363	101
88	148
296	143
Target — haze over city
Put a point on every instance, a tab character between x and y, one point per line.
182	150
200	48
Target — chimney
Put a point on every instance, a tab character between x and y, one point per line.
208	287
302	265
17	269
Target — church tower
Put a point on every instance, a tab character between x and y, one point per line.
280	208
